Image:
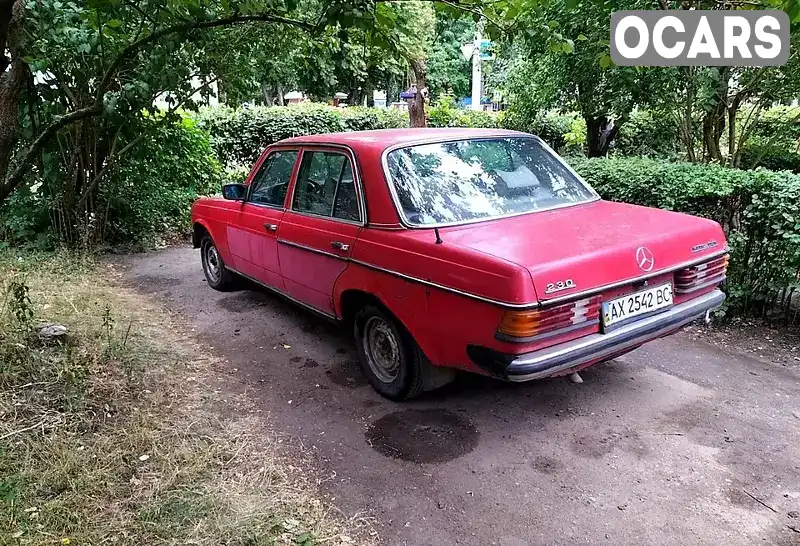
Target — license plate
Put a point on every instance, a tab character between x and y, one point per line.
636	304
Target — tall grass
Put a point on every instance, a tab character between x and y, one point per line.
122	433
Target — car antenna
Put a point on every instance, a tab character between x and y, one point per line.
438	238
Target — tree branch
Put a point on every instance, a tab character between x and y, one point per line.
114	155
13	179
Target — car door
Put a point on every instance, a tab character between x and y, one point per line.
320	226
252	238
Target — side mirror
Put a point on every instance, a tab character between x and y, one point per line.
234	192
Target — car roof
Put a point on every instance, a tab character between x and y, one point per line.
386	138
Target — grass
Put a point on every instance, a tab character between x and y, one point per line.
123	433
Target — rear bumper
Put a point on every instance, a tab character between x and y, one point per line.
594	347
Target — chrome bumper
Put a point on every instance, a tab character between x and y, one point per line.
552	360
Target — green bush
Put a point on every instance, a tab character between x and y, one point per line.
445	113
359	118
238	136
774	140
565	133
647	133
759	210
145	198
151	193
774	157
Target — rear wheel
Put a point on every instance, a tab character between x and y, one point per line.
389	358
218	277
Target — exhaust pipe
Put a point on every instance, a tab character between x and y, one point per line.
708	317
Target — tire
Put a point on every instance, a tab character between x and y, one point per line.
389	358
217	276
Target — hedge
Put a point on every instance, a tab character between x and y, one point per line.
238	136
445	113
759	210
565	133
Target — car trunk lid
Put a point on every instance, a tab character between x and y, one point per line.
587	247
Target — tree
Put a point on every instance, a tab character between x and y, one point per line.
14	76
449	72
112	48
105	61
408	27
563	60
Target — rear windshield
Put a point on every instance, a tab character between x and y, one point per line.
468	180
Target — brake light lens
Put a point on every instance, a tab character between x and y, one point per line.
701	275
540	323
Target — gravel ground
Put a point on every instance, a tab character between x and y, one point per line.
684	441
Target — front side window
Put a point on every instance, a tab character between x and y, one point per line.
271	182
477	179
326	186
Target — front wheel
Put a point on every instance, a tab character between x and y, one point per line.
218	277
389	358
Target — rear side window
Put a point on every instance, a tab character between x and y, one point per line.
326	186
271	182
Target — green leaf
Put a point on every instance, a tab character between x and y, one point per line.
114	23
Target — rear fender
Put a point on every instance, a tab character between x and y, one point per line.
404	299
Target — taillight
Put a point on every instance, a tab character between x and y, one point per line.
540	323
700	276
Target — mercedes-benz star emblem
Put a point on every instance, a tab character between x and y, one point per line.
645	258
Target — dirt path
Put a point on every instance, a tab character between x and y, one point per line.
680	442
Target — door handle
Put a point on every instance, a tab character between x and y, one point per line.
271	227
340	246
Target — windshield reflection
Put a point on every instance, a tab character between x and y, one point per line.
476	179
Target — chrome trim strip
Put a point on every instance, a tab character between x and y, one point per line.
312	249
711	282
447	288
386	227
571	328
264	205
323	217
563	356
650	275
283	294
438	140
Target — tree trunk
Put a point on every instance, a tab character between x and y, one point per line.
416	109
13	76
266	94
369	95
280	95
713	129
714	120
354	96
685	114
600	133
733	151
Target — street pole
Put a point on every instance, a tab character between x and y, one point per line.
477	79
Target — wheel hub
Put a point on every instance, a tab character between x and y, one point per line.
382	349
213	268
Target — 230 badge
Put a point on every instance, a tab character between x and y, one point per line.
559	286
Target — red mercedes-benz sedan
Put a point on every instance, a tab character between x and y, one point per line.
469	249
